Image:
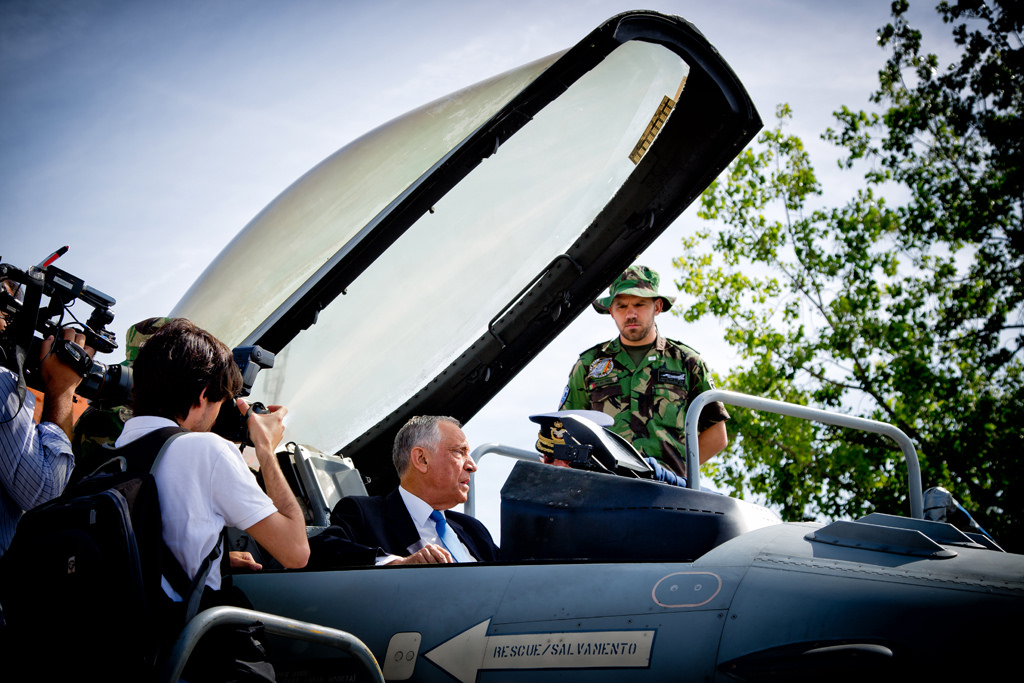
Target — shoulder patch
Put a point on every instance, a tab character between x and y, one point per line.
565	395
602	367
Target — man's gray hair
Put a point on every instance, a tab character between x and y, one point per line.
423	431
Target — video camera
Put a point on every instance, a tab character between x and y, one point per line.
109	385
25	315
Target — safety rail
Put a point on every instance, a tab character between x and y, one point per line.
272	623
814	414
469	507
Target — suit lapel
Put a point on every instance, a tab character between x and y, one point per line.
465	537
400	526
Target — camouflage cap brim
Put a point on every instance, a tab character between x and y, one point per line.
636	281
603	305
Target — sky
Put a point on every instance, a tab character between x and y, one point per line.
146	134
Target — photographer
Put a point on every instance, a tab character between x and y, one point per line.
182	376
35	459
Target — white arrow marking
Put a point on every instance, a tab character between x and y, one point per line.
473	650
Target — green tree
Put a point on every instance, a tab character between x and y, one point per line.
908	311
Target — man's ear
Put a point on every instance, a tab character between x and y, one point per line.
659	304
197	405
419	458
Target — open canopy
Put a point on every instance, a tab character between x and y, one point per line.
418	268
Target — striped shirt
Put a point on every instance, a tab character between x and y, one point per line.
35	460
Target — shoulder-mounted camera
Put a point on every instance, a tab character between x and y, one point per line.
39	300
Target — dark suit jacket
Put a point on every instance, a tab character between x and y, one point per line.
364	526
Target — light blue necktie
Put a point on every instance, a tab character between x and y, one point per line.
448	538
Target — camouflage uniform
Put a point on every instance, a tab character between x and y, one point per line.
648	401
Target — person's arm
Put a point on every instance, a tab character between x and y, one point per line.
711	441
283	533
665	475
35	460
334	547
575	397
348	542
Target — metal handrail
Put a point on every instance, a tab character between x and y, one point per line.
272	623
469	507
814	414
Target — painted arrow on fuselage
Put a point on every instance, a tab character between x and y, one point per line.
473	651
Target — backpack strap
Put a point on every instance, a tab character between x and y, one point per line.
142	454
137	456
195	589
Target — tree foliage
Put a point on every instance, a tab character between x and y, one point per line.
906	310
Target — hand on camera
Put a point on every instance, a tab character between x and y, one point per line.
58	376
265	429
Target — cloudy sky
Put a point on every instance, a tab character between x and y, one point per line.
145	134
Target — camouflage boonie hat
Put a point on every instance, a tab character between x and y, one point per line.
139	333
637	281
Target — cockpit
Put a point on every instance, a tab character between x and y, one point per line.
604	507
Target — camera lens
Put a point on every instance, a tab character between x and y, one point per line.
108	384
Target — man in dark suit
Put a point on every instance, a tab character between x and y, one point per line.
414	524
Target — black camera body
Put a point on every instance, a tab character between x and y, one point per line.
231	424
27	314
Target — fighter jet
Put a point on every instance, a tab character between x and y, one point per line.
417	269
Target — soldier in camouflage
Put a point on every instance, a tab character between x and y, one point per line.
643	380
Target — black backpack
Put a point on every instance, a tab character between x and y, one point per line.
80	585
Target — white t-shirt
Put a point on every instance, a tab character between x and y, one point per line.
204	484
